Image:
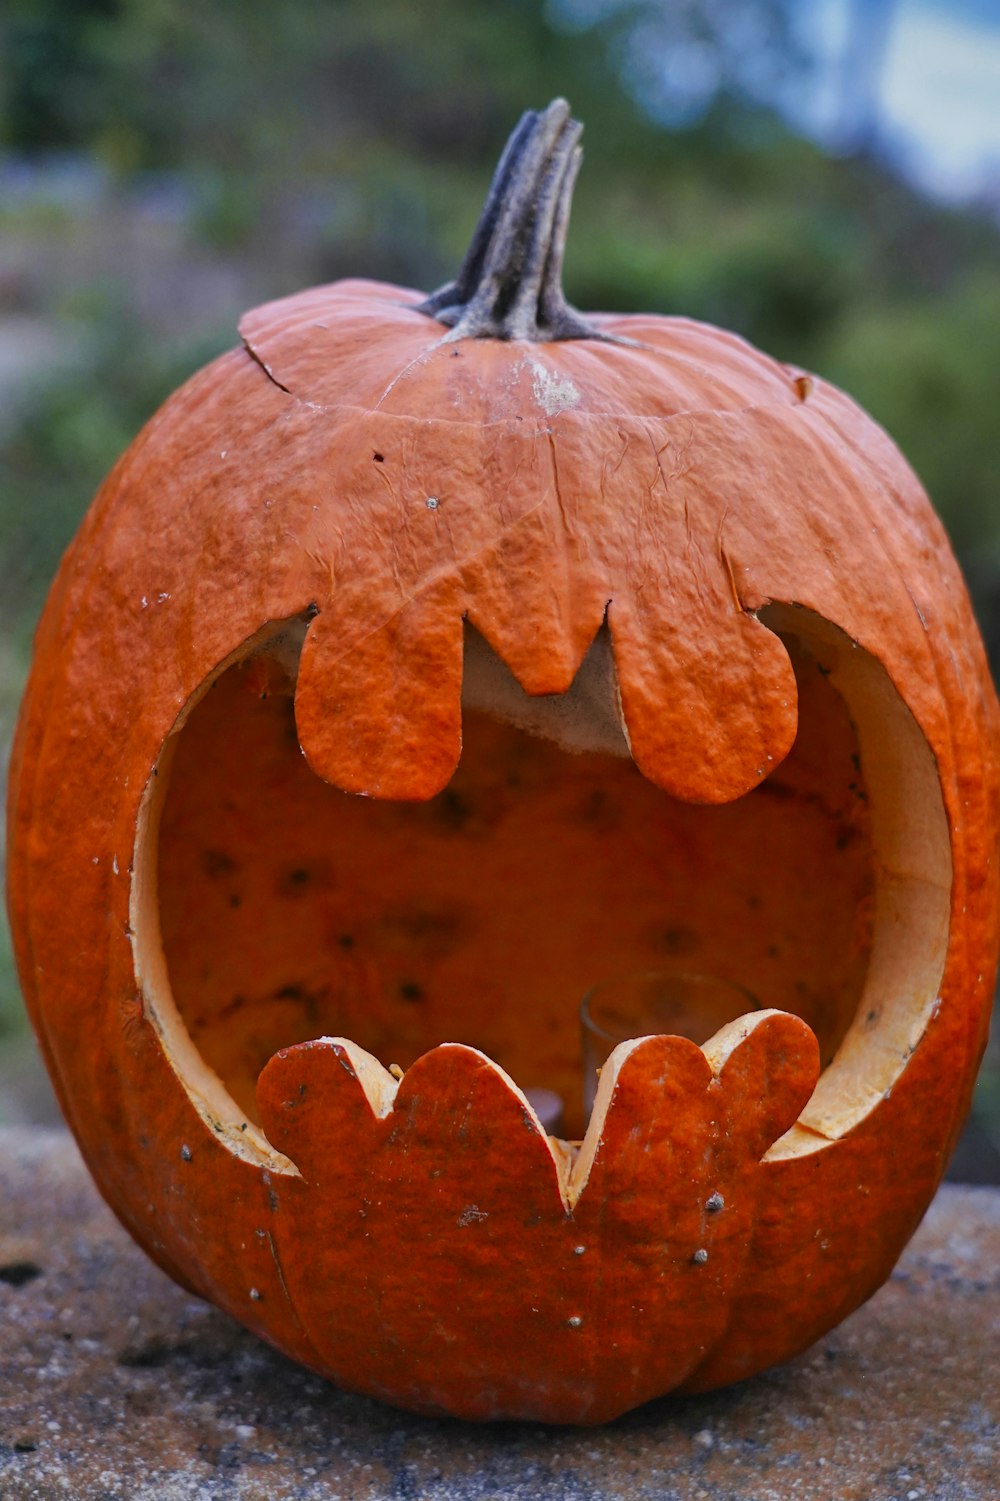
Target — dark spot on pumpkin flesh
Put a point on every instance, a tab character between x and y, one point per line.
430	932
297	879
216	863
779	791
599	811
236	1004
409	990
679	940
310	1001
453	810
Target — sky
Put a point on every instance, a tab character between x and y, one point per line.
941	93
938	98
929	70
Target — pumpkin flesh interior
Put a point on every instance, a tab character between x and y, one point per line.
290	910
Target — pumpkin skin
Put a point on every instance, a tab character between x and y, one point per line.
356	470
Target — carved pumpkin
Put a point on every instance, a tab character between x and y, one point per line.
637	645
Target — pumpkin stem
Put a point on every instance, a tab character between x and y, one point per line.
510	284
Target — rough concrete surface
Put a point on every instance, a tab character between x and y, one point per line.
115	1385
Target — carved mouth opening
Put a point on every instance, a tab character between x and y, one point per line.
271	908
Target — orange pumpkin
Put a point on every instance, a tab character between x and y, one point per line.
636	644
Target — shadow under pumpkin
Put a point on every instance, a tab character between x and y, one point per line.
290	910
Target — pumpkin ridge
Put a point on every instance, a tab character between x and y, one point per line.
82	576
949	791
860	494
753	1226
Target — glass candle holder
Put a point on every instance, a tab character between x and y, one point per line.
682	1003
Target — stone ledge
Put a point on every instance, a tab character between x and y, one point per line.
117	1386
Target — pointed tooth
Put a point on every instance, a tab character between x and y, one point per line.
767	1063
651	1090
309	1096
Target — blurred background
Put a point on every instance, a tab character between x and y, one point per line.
821	175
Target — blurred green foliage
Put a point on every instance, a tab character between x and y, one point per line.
65	439
162	164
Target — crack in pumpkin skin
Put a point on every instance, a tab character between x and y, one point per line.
445	1177
246	505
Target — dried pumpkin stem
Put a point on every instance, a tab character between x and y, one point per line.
510	284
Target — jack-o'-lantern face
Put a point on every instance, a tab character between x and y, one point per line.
640	650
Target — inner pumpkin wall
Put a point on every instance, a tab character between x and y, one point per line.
290	910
